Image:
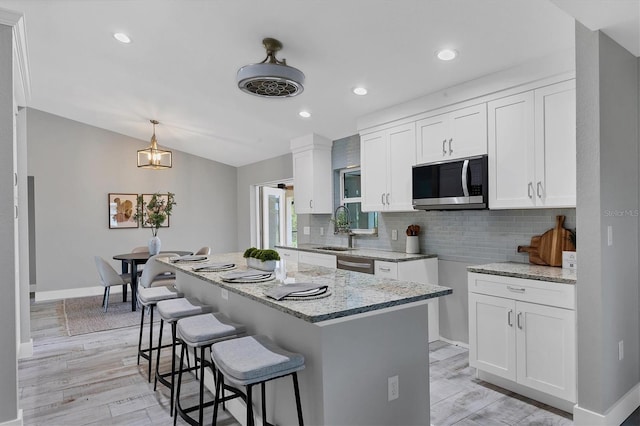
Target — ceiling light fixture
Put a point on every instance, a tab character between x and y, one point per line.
360	91
446	54
304	114
271	78
152	157
122	37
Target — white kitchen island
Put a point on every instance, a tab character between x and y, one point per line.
366	331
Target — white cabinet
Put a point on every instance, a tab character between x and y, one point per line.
288	255
386	158
524	331
312	184
452	135
421	271
318	259
532	148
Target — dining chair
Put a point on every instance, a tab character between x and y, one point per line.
204	250
109	277
140	249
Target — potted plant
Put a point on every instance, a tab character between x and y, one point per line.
264	260
153	213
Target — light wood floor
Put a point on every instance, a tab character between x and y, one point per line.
93	379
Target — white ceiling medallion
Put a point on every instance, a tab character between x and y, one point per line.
271	78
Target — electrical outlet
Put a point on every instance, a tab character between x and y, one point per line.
225	294
306	230
321	230
393	388
620	350
394	234
609	235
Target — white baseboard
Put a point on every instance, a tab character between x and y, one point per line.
15	422
43	296
614	416
26	349
454	342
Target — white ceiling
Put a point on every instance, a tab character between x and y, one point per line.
180	67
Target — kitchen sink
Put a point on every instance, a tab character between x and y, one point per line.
331	248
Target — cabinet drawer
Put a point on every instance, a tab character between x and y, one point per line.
318	259
288	255
533	291
386	269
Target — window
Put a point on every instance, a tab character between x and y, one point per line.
350	196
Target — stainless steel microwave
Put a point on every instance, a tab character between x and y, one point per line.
451	185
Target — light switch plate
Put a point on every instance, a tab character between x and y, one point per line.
394	234
306	230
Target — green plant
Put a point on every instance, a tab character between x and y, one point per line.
261	254
154	212
248	252
267	254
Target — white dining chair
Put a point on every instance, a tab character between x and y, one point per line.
204	250
109	277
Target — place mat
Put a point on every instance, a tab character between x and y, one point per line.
297	291
189	258
214	267
249	280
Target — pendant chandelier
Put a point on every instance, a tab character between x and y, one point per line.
271	78
153	157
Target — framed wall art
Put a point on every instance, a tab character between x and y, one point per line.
122	208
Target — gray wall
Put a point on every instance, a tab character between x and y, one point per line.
8	312
267	171
607	149
76	165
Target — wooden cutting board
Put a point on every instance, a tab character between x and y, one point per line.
534	256
546	249
553	242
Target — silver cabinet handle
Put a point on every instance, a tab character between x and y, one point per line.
529	189
15	179
387	198
382	198
385	269
444	149
310	204
538	188
450	150
509	320
516	289
16	211
286	254
519	318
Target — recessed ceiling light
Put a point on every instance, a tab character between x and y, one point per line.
446	54
361	91
122	37
304	114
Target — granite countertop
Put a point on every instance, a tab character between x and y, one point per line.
527	271
388	256
351	292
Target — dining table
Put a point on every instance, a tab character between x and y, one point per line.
130	262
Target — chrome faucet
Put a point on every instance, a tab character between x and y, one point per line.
342	220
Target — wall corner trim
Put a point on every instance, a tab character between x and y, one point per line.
16	21
614	416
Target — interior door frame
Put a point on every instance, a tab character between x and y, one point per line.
256	226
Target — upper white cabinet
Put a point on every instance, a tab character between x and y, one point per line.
386	159
452	135
532	148
312	185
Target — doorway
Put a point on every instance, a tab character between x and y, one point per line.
276	218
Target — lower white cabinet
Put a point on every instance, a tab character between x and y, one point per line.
288	255
421	271
318	259
524	331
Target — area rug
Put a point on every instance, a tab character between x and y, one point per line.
85	314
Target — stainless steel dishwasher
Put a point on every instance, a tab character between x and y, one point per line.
355	263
